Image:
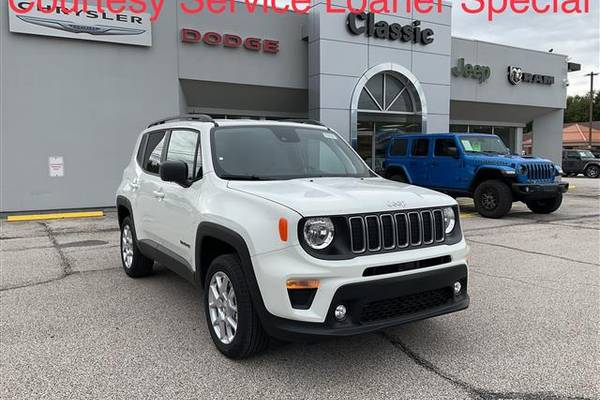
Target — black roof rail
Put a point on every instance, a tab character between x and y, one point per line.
306	121
184	117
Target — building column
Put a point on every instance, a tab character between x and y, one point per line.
518	141
547	136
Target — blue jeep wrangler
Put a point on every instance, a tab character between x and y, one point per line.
479	166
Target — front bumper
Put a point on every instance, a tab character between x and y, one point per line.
382	303
531	191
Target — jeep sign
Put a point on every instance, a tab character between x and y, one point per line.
480	72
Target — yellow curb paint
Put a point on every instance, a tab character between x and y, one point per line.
40	217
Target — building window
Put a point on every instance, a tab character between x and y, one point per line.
387	92
388	105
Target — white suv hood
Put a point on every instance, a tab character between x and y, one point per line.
339	196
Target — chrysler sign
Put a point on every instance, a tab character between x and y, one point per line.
134	29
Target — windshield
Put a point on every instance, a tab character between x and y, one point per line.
585	154
490	144
282	152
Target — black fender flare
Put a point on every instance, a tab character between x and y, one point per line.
232	238
398	167
123	201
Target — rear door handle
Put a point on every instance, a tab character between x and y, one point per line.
435	163
159	194
135	184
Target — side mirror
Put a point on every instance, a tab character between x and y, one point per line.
174	171
453	152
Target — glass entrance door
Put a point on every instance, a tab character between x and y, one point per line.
374	132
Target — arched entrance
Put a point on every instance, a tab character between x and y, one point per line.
387	100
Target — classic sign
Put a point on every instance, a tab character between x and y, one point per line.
516	76
364	23
124	28
480	72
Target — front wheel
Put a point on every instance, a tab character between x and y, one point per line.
493	199
545	206
135	264
232	320
592	171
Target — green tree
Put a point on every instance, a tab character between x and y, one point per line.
578	108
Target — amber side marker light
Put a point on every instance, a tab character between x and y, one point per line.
302	284
283	229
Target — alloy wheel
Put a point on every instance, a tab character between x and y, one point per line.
593	171
489	200
222	307
127	246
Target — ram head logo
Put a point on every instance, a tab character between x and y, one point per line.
515	75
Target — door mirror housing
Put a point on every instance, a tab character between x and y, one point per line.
174	171
453	152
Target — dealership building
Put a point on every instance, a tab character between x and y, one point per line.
78	89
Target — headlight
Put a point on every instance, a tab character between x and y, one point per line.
523	169
318	232
559	170
449	219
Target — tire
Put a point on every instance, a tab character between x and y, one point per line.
545	206
135	264
493	199
248	337
592	171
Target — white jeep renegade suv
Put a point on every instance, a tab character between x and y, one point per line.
288	231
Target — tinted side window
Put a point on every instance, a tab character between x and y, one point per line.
443	146
420	147
154	146
182	147
399	147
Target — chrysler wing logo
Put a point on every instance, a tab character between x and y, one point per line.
73	27
515	75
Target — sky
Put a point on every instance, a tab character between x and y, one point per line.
577	36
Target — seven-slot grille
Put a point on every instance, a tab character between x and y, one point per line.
539	171
387	231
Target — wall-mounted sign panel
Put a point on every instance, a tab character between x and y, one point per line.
94	24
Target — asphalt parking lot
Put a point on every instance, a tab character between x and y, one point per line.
74	326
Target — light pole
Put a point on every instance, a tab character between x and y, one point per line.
591	75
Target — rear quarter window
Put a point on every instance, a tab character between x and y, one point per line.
398	147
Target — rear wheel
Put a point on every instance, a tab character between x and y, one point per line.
232	320
545	206
493	199
134	262
592	171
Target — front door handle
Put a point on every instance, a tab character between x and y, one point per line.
159	194
435	163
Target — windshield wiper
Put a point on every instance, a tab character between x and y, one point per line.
244	178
